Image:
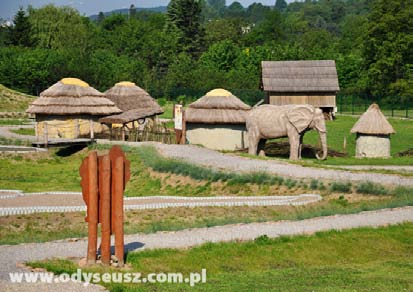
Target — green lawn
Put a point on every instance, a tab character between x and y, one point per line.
168	111
25	131
365	259
14	101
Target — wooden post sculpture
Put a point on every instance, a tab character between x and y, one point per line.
103	184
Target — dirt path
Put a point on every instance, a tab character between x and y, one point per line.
10	255
15	202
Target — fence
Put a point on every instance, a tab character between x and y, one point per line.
390	106
155	134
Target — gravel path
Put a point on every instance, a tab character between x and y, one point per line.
6	133
227	162
206	157
15	202
10	255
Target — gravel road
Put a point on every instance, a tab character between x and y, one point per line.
10	255
210	158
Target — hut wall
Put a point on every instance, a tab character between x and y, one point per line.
315	99
66	126
217	137
372	146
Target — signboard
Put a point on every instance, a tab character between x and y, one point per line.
178	116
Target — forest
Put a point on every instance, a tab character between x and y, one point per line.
197	45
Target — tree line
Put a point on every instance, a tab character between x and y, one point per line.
199	45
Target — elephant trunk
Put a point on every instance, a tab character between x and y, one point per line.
323	139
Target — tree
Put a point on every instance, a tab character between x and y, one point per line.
20	34
388	47
280	5
235	10
132	11
221	56
101	17
185	16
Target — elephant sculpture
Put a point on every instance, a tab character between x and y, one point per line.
292	121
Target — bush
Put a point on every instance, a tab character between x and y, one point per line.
371	188
340	187
162	101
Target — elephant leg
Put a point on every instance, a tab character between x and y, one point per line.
294	140
261	147
252	143
300	146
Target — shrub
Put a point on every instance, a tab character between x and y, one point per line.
314	184
340	187
371	188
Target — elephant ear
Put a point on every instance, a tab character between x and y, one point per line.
300	117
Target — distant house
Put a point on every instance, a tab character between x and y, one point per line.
217	121
135	103
69	109
301	82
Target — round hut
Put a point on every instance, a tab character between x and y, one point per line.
136	104
69	109
217	121
373	134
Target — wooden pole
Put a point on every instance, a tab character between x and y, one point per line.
92	207
45	134
36	129
183	135
105	209
92	133
77	128
123	132
117	201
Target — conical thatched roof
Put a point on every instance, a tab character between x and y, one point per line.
127	96
72	96
218	106
135	103
373	122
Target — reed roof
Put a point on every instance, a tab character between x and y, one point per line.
373	122
300	76
72	96
218	106
128	96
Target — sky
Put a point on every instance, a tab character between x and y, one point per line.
8	8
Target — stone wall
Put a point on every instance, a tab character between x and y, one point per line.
217	137
372	146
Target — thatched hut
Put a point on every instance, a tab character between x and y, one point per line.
217	121
69	109
136	105
301	82
373	134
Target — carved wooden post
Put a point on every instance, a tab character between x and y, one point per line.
92	133
104	207
45	134
183	136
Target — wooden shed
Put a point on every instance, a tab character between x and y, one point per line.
217	121
301	82
373	134
69	109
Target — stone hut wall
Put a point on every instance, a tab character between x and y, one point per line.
372	146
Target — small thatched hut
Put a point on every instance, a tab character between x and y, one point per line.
217	121
301	82
135	103
373	134
69	109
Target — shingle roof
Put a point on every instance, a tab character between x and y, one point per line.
300	76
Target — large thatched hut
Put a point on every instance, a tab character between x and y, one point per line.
69	109
373	134
217	121
136	105
301	82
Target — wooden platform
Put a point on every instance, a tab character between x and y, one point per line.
63	142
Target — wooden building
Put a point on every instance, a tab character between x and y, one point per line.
70	109
301	82
217	121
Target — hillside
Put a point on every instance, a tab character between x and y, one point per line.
13	101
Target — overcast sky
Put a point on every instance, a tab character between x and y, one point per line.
8	8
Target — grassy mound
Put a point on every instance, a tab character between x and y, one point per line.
14	101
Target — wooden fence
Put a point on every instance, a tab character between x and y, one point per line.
155	134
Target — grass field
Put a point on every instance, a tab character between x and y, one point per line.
14	101
365	259
24	131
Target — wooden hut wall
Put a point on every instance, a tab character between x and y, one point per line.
315	99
